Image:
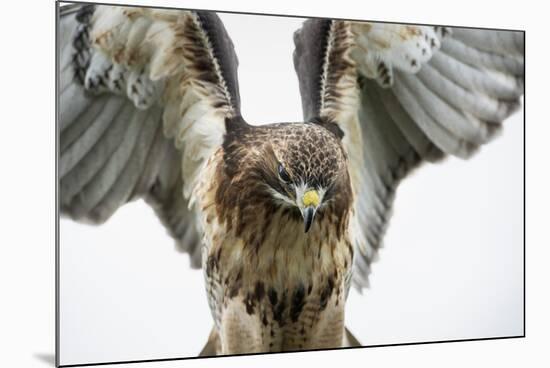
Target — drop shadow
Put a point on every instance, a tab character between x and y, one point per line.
46	358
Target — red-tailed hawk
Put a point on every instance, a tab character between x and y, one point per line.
284	217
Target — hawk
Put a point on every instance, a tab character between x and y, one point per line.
283	218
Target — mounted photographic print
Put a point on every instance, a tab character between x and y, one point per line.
227	181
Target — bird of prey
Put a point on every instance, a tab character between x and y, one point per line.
283	218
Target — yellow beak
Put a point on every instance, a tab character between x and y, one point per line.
310	200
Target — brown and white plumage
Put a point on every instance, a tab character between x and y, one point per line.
274	286
276	214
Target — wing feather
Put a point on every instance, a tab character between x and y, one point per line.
121	190
86	118
106	177
110	109
494	41
436	132
72	103
423	146
474	79
484	106
477	58
89	162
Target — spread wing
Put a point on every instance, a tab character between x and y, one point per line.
143	97
403	95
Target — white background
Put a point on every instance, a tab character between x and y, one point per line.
27	316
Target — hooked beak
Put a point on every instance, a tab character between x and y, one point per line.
310	202
308	213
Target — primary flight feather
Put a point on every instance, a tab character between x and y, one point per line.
283	218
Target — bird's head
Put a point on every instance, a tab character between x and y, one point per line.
297	169
306	169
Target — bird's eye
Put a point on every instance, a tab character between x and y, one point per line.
283	174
